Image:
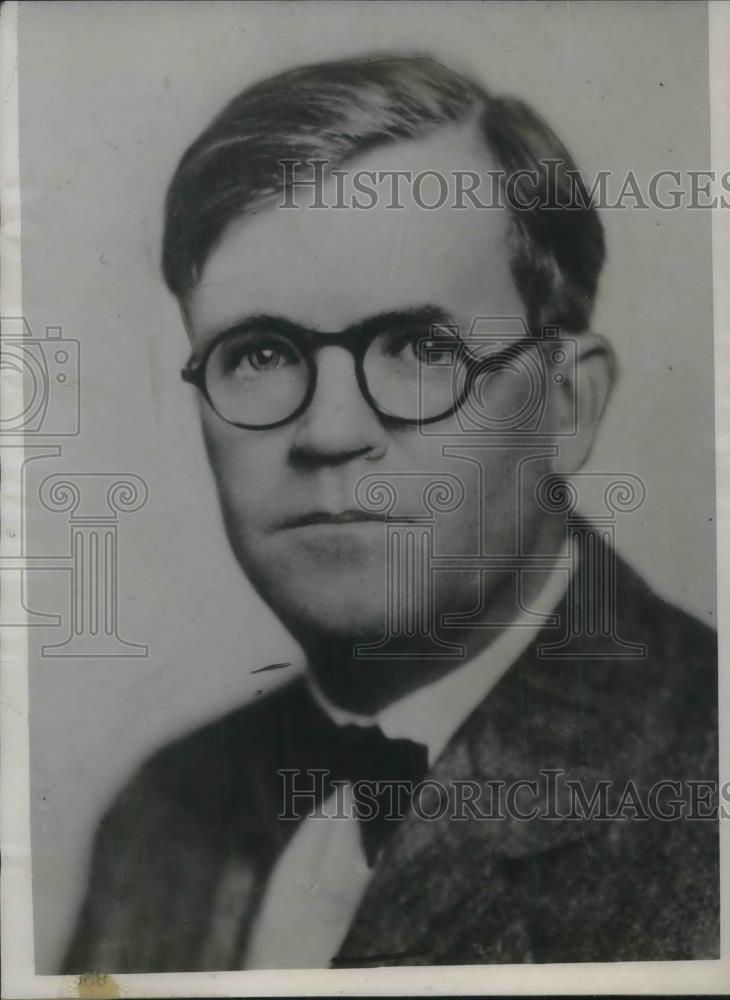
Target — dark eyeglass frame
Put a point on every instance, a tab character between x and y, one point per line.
356	340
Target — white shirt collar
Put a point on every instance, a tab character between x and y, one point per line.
432	714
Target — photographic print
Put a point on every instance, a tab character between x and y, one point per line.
360	552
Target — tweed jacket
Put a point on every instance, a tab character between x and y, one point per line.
182	858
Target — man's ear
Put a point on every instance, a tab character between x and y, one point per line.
580	398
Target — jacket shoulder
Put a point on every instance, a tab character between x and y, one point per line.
680	658
639	604
163	842
196	774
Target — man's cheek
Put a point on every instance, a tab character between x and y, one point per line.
243	467
246	502
219	444
498	507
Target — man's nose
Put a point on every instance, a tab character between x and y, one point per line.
338	424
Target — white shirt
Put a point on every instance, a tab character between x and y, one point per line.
321	876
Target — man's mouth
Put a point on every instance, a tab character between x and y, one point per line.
345	517
327	517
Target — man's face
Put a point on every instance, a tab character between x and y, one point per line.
327	270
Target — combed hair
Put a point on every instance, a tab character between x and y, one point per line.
337	111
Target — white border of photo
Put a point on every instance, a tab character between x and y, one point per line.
19	980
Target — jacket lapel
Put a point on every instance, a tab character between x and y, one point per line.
424	892
441	890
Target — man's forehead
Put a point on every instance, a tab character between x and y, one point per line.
330	267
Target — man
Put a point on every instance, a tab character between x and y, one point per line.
365	377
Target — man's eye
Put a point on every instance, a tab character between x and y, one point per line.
264	359
427	350
261	358
432	350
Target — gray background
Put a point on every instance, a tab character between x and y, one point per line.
110	96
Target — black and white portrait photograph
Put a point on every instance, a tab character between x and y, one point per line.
364	442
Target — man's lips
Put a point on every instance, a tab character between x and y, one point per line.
344	517
327	517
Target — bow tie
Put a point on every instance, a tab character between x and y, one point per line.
359	754
366	754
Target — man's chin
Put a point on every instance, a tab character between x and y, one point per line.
349	624
336	601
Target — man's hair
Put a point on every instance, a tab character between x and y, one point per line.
337	111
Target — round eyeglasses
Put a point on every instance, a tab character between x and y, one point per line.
263	373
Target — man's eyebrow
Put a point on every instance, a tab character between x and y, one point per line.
258	321
425	315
